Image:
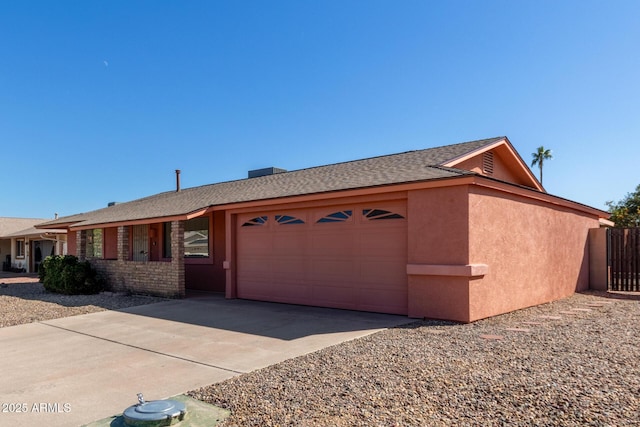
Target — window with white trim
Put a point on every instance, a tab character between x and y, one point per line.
20	252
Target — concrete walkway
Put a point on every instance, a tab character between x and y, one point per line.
79	369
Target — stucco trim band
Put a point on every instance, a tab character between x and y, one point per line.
468	270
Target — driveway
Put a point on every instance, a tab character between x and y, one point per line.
79	369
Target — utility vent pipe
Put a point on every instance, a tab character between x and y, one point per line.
177	179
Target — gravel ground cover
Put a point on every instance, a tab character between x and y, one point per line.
574	362
24	300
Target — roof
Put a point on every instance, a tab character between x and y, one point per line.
35	232
10	226
406	167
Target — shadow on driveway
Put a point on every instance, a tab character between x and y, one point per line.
274	320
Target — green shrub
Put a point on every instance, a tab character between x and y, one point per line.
66	275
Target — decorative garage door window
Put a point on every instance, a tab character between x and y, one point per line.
375	214
287	219
341	216
333	255
259	220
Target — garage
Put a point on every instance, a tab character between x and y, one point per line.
348	256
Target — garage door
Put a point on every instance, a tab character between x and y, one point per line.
351	256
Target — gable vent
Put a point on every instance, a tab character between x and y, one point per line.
487	163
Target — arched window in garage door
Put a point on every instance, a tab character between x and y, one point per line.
376	214
259	220
340	216
287	219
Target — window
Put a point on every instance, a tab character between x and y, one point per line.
260	220
94	243
375	214
19	248
166	240
286	219
341	216
196	238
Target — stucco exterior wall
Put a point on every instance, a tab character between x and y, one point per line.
438	226
536	252
72	243
5	249
598	268
438	245
476	252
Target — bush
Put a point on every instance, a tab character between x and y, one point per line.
66	275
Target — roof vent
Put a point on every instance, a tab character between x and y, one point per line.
487	162
264	172
110	204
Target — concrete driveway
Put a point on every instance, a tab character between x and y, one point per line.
79	369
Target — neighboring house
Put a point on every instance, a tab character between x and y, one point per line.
23	247
459	232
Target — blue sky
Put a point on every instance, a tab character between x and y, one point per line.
101	101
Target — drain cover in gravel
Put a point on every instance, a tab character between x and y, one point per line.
517	329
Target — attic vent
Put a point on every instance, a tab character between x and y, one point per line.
264	172
487	162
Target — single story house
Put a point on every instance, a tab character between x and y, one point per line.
459	232
23	247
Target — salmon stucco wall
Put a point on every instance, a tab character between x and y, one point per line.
536	252
438	249
598	268
71	243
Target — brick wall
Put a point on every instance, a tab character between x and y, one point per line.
141	277
158	278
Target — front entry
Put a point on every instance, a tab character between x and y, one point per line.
40	249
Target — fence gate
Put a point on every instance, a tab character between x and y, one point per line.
623	246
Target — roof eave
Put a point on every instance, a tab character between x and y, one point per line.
140	221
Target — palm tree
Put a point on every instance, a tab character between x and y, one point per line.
539	157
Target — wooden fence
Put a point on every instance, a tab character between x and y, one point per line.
623	247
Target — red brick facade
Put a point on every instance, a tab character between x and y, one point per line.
159	278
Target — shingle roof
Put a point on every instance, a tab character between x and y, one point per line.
9	226
411	166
